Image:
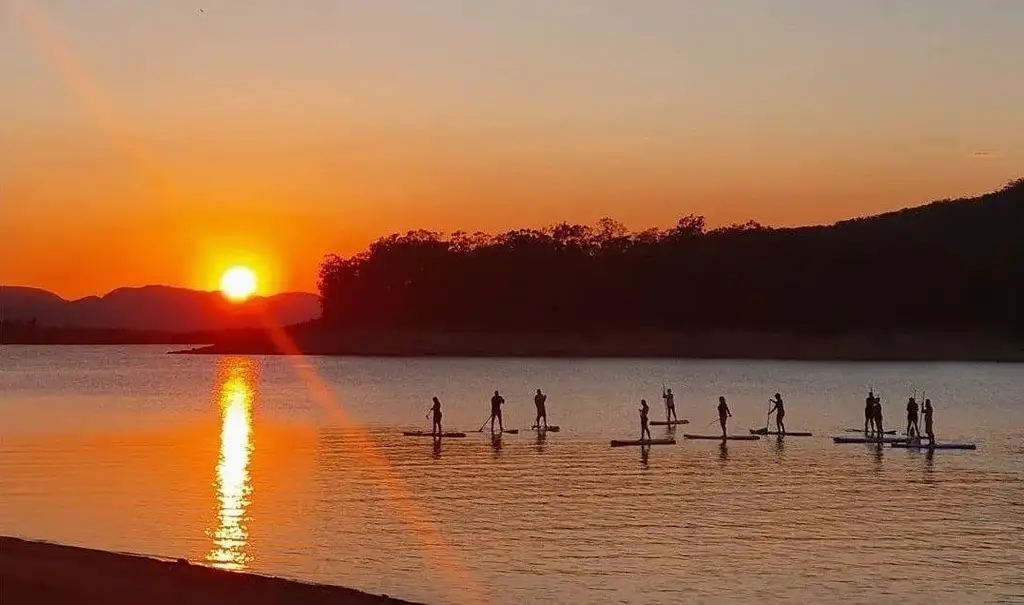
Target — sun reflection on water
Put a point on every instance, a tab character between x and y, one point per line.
233	484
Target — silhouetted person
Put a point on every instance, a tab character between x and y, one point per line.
723	414
869	413
644	428
780	413
670	405
436	410
928	428
879	429
542	413
496	402
913	429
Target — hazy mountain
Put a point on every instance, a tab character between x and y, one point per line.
161	308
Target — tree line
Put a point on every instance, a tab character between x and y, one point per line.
953	265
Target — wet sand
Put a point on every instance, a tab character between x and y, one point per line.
48	574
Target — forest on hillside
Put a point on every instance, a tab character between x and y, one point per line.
949	266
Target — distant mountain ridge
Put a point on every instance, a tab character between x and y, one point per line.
155	308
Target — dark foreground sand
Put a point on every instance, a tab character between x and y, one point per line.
48	574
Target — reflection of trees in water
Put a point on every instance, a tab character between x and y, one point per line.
237	381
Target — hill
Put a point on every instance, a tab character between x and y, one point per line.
939	281
153	309
951	265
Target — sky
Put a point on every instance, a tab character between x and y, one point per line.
149	142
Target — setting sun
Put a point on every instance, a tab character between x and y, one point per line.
238	283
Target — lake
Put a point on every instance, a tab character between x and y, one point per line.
296	467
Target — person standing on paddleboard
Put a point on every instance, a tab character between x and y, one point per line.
723	413
644	428
877	412
670	405
913	429
928	430
496	402
539	400
780	413
436	410
869	413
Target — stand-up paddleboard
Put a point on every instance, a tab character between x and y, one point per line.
668	422
553	428
786	434
429	434
728	438
852	439
861	431
924	445
625	442
506	431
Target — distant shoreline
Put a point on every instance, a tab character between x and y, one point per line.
43	573
925	348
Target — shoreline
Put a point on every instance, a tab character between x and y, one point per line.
745	346
45	573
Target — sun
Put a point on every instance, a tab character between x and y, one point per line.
238	283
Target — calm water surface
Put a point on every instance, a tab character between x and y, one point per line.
296	467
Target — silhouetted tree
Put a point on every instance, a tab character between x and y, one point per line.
950	265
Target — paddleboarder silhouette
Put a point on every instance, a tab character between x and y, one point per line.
780	413
869	412
496	402
670	405
877	413
539	400
436	411
644	428
928	430
723	414
913	429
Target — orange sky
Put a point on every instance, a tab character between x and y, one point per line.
151	145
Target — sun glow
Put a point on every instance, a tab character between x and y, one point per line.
238	283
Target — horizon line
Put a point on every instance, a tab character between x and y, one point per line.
152	285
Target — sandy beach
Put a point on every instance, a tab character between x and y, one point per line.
43	574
